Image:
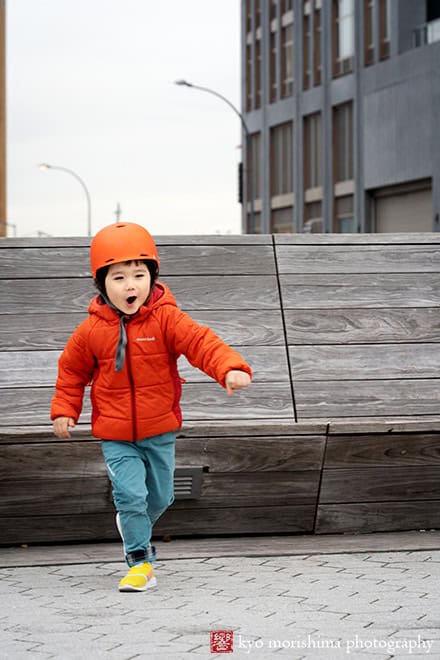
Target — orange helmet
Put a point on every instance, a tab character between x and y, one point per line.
122	241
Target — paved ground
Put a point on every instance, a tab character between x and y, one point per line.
380	602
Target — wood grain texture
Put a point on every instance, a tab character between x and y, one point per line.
380	450
208	401
356	291
101	526
70	496
172	239
408	239
39	368
362	326
370	362
192	293
73	262
347	485
367	399
377	517
239	520
389	258
239	489
362	321
32	332
252	453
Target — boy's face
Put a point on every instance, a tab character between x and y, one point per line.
128	285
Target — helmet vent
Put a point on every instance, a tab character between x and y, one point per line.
109	260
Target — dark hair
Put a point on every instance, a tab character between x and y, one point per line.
101	273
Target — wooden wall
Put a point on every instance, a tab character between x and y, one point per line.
339	431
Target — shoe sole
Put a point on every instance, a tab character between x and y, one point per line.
151	584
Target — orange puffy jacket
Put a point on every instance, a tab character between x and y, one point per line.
143	399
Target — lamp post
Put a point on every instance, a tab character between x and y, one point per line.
46	166
249	155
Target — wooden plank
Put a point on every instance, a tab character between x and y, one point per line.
346	485
381	450
412	238
30	496
351	291
208	401
240	520
398	424
368	362
52	461
171	239
101	526
231	292
61	460
362	326
39	368
333	258
252	454
56	262
37	497
242	428
377	517
33	332
238	489
332	399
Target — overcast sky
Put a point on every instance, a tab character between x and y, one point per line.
90	88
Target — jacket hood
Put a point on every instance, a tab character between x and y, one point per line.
160	295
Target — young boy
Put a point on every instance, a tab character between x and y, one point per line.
127	349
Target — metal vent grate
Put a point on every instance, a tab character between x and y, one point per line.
188	483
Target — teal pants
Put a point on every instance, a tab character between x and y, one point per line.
142	477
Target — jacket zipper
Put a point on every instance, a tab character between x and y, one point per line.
132	388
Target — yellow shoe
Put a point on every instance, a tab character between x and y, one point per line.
138	578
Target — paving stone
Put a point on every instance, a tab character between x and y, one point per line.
376	596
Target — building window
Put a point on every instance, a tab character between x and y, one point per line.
343	36
281	220
273	62
248	16
248	77
317	35
368	32
248	55
306	45
253	184
254	227
254	158
313	218
258	73
312	151
287	55
384	29
343	142
257	14
345	222
281	159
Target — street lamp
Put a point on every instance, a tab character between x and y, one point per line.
46	166
249	155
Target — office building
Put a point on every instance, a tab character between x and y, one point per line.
341	99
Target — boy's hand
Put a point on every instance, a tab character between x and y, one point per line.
235	380
61	426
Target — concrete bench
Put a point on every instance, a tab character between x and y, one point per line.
339	431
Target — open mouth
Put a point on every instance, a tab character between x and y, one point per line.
131	299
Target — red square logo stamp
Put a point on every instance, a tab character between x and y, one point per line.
222	641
